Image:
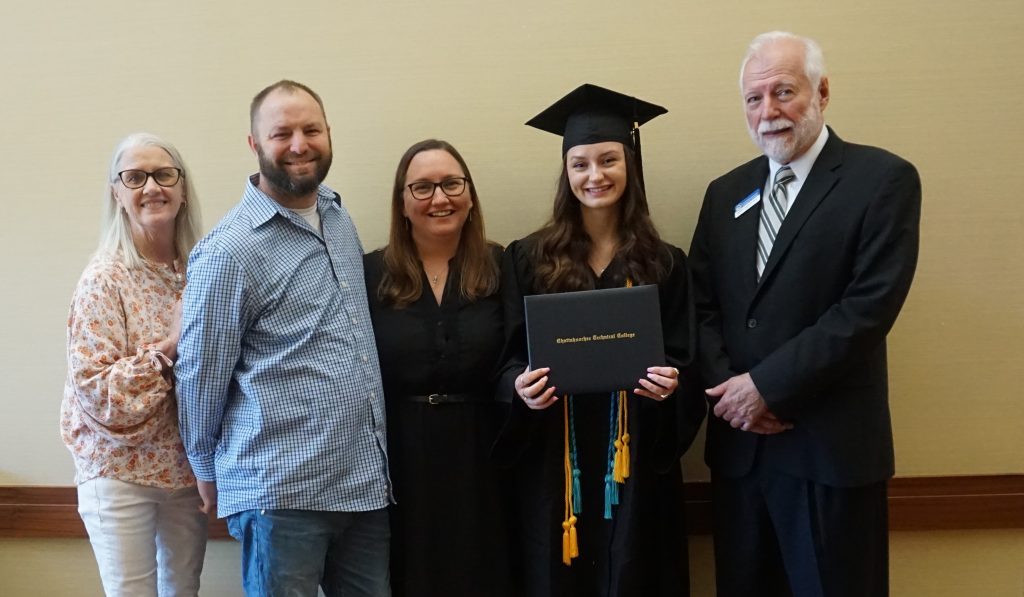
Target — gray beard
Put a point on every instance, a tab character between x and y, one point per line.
804	131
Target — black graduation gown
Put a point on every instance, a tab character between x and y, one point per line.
642	550
448	529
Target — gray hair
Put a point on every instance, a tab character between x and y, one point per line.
116	230
814	59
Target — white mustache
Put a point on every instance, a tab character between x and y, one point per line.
774	125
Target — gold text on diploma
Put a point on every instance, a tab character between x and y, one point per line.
596	337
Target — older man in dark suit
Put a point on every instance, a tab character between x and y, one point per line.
802	259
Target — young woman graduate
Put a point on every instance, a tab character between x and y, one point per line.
599	484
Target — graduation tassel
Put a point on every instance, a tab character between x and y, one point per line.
619	467
634	135
620	461
624	434
574	549
610	495
577	493
570	546
611	488
577	507
566	549
623	396
622	458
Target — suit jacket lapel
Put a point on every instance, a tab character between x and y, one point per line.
744	228
823	176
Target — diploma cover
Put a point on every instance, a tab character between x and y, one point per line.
595	340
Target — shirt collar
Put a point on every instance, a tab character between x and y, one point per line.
263	207
802	165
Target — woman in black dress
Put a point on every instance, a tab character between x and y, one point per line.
623	537
437	318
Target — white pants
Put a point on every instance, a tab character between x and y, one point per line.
148	541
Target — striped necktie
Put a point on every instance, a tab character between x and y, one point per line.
773	212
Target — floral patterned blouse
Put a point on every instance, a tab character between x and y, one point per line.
119	416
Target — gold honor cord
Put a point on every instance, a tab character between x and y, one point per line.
570	546
570	542
622	437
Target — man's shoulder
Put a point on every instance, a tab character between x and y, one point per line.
741	180
856	153
232	232
744	171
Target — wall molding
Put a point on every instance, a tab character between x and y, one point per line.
51	512
915	504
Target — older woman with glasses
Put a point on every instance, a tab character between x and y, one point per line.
136	492
437	318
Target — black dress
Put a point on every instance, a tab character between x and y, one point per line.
641	551
448	529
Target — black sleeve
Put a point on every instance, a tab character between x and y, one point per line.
680	416
521	424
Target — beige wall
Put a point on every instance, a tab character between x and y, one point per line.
938	82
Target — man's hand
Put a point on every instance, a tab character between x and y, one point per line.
743	407
208	492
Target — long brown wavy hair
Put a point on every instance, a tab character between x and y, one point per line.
402	283
563	249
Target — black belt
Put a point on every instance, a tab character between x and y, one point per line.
449	398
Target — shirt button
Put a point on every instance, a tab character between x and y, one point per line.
751	323
364	358
372	394
354	321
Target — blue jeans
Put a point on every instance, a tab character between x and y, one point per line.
288	553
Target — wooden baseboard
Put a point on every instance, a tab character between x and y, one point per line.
46	512
915	504
947	503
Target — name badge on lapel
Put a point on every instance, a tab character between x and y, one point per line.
746	203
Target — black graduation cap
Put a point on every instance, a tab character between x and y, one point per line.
592	114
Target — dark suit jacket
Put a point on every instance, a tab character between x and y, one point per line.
812	331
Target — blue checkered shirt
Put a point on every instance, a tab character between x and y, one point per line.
279	390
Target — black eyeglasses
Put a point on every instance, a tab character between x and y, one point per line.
451	187
136	179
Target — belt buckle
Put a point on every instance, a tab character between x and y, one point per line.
435	398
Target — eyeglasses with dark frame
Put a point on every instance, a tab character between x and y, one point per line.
451	187
136	179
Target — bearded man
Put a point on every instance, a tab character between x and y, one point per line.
279	390
802	259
